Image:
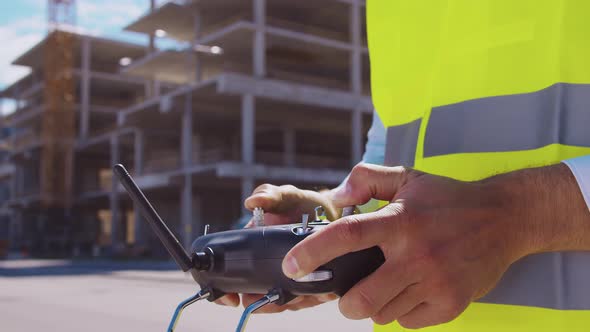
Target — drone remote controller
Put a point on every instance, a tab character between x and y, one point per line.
249	260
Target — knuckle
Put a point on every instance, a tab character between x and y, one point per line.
357	306
452	300
429	261
405	216
422	264
365	304
382	319
289	192
403	170
407	173
361	170
422	258
294	307
288	188
409	323
263	187
454	305
442	285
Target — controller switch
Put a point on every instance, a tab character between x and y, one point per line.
315	276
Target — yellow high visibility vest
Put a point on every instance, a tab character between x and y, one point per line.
472	88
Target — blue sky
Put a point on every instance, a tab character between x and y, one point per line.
23	24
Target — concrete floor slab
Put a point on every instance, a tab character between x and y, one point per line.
134	300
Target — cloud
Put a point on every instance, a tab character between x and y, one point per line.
97	17
93	16
17	37
108	14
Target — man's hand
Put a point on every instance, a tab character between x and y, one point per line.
446	242
284	205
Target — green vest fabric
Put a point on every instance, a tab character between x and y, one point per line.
470	89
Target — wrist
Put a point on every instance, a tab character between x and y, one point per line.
543	206
522	199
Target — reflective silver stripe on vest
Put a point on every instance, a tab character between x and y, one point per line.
401	144
559	280
557	114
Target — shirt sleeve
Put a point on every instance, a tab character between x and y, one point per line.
375	147
580	167
374	154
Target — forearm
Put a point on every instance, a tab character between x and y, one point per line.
549	211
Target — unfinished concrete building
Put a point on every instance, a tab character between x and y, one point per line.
252	92
100	92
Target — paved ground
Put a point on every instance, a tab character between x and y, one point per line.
105	296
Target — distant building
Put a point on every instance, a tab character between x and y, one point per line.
255	91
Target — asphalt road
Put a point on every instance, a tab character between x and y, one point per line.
90	297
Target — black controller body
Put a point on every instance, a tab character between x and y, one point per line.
249	261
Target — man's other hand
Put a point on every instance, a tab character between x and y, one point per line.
284	205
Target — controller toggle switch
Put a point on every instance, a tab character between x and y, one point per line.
304	228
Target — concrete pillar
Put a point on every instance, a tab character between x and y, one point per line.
198	223
14	181
147	89
85	88
17	224
356	79
259	47
356	136
157	88
186	210
150	85
139	227
190	63
152	37
289	146
248	143
197	147
12	229
138	160
197	35
247	189
248	129
192	225
186	195
116	238
187	132
138	152
20	183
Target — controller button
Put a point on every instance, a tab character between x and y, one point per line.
320	275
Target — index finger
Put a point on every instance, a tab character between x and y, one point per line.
273	198
349	234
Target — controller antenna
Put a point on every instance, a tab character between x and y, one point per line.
149	213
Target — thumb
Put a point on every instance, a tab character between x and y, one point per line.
367	181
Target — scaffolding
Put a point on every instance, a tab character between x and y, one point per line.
251	92
58	118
